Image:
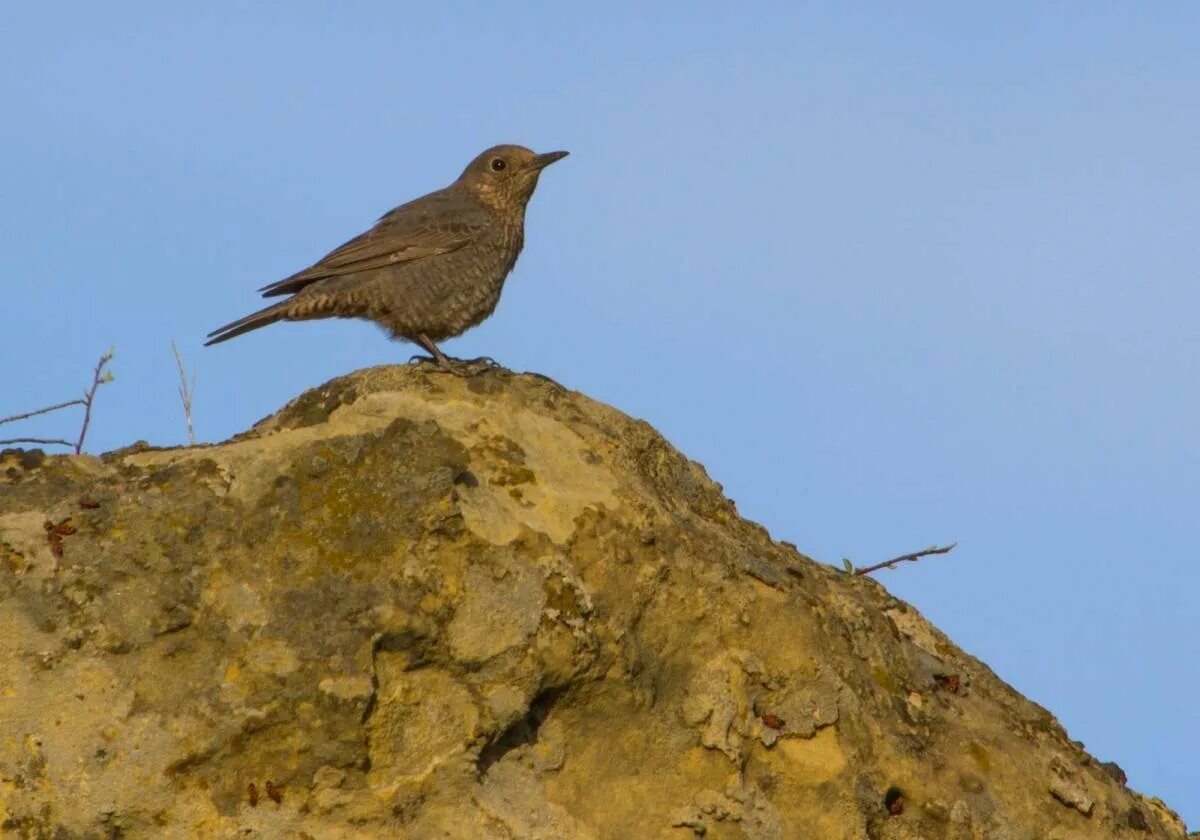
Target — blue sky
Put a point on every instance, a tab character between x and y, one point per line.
895	275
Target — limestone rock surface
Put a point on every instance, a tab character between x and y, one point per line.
423	605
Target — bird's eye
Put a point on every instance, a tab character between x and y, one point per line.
498	164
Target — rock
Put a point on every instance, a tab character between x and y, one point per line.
1067	788
425	605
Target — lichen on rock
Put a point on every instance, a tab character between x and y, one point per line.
418	604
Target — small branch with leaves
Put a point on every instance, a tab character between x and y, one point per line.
896	561
100	376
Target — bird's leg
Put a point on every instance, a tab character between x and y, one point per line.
438	355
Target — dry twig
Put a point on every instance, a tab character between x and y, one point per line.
903	558
45	410
99	377
186	392
45	441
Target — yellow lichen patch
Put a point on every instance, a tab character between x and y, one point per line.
425	717
234	601
646	775
24	545
883	679
980	755
920	632
557	482
813	760
66	713
804	781
272	656
354	687
501	607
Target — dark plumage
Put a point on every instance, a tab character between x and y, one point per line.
430	269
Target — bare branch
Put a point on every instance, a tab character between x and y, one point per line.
99	377
906	558
185	393
54	441
45	410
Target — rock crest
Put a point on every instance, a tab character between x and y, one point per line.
421	605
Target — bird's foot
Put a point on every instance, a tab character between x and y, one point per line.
471	367
458	367
478	361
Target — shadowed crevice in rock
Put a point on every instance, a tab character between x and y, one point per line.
520	732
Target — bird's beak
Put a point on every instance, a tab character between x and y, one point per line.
542	161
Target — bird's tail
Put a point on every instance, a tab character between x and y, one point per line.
253	321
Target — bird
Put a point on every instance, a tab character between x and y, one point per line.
428	270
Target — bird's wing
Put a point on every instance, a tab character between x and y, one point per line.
435	224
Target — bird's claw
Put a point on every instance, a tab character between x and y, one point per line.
472	367
478	361
458	367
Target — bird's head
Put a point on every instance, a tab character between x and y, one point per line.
504	176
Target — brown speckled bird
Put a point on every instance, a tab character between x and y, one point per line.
430	269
